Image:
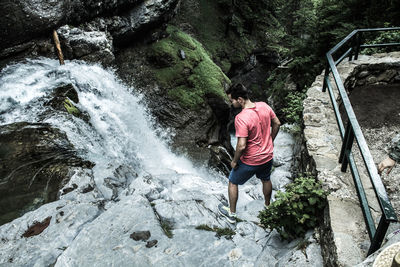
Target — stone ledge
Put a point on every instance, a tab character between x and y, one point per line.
344	232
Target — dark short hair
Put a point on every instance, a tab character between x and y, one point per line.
238	90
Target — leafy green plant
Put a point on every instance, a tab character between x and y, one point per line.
294	108
296	210
382	38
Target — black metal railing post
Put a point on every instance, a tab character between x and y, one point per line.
379	235
346	147
325	77
358	43
345	138
352	48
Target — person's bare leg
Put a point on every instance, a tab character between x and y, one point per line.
233	193
267	190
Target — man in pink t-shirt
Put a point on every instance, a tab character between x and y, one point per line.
256	128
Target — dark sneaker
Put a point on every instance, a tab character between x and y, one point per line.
225	211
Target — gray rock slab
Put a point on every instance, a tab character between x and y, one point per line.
106	240
185	214
68	219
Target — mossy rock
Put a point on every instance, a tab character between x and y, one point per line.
231	30
190	79
64	98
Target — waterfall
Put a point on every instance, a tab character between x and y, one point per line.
120	132
166	193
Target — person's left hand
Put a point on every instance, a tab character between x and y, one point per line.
386	163
234	164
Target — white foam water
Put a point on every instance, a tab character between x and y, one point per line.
120	132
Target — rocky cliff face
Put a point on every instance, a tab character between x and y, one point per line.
175	72
125	35
22	21
26	26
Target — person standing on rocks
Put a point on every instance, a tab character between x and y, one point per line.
256	128
393	157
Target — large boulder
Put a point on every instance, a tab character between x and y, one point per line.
21	21
89	45
139	20
94	41
35	162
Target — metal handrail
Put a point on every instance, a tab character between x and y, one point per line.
353	131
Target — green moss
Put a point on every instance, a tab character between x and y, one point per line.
186	96
303	244
257	90
227	232
71	109
204	227
225	65
187	80
167	228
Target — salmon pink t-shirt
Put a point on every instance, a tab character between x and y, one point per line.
255	124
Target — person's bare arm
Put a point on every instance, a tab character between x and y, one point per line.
240	147
275	124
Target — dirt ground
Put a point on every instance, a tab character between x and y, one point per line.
377	109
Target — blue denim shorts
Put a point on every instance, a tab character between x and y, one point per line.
244	172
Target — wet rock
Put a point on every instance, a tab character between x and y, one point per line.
87	189
220	159
35	162
88	45
140	19
63	99
69	189
21	21
141	235
185	200
151	243
123	176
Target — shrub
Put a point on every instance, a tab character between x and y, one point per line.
381	38
296	210
294	109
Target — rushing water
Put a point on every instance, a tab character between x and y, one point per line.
83	230
120	132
